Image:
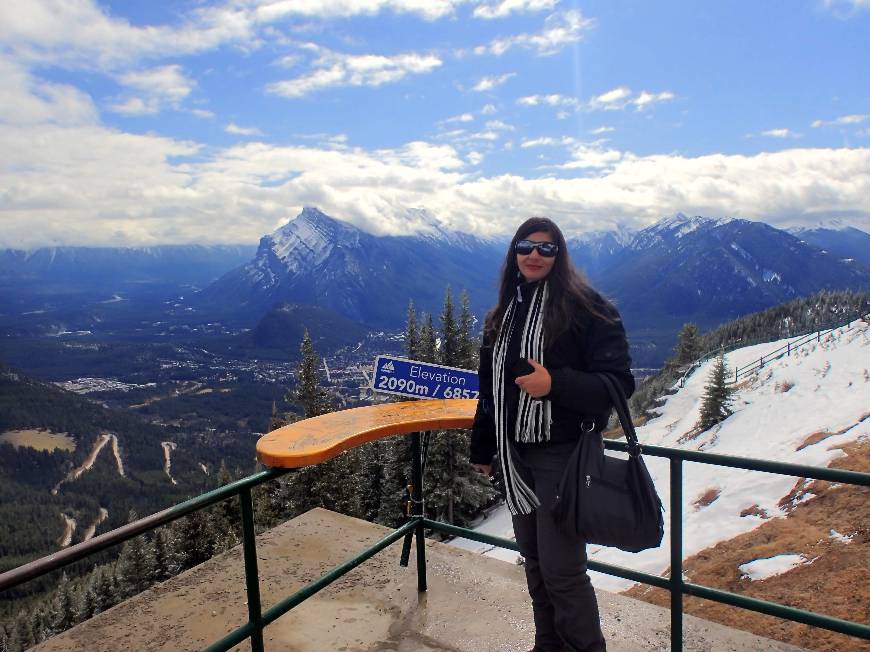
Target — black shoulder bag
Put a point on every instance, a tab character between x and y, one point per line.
608	500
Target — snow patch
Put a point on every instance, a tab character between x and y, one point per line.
761	569
766	424
842	538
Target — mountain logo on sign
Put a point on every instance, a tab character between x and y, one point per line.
389	368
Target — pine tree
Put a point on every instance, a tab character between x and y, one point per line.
716	402
135	564
412	335
688	348
313	399
312	486
162	556
62	614
226	516
449	332
467	349
455	492
428	344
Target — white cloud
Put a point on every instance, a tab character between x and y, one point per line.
612	100
233	128
550	100
854	119
846	8
68	180
586	156
82	34
506	7
272	10
474	158
27	100
488	109
546	141
498	125
780	133
601	130
464	117
205	114
155	89
560	30
619	98
334	69
86	184
645	99
489	83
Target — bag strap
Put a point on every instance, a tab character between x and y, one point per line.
620	404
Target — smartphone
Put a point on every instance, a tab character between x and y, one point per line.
522	368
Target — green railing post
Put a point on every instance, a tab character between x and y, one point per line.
417	507
676	554
252	576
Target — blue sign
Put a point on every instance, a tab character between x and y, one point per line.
404	377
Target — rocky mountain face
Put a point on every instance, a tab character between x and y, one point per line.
318	260
710	270
844	242
678	270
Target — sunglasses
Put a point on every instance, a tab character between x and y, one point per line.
545	249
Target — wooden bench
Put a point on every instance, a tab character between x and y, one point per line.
318	439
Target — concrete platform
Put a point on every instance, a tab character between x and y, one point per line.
474	603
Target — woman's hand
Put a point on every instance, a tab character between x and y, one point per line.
537	383
486	469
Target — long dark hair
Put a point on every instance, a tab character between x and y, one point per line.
568	289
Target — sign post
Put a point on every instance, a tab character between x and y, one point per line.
403	377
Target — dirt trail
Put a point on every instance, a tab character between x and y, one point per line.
102	440
92	528
168	447
69	525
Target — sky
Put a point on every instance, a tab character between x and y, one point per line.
135	122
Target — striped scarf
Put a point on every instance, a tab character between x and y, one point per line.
533	415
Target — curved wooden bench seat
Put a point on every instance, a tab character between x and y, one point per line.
318	439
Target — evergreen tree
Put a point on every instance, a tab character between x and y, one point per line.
162	556
368	478
428	345
467	348
62	614
308	395
688	348
226	516
449	332
454	491
23	634
135	564
716	402
324	484
190	541
5	643
412	335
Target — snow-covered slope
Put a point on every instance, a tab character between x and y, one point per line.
798	409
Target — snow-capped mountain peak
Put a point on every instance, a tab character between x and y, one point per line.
310	239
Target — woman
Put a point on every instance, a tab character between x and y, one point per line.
549	331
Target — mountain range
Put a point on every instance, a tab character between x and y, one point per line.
678	270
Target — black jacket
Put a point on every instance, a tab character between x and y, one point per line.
576	394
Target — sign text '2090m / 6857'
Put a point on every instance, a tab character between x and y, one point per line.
413	378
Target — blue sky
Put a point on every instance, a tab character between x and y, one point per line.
133	123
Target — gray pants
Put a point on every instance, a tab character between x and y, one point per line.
563	600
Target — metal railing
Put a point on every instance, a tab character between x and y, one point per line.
787	349
417	524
